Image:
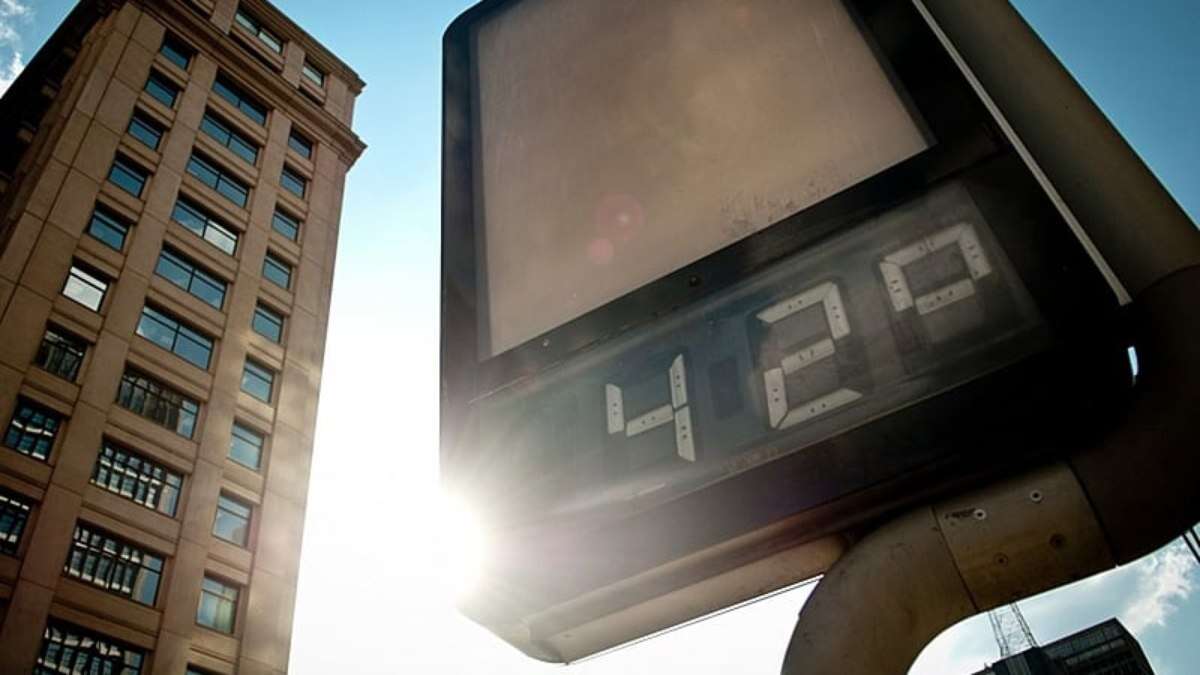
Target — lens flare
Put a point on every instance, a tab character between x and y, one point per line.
461	547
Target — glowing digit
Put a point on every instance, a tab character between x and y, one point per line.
676	411
892	268
783	413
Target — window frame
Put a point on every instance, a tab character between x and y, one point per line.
290	223
66	344
114	564
214	127
300	189
172	46
99	651
285	268
314	74
251	438
199	166
253	25
15	512
229	506
270	316
301	144
154	399
168	86
152	127
211	224
234	95
112	222
181	334
128	167
256	372
158	487
197	275
224	595
90	279
37	423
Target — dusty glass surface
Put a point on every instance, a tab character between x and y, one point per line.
621	140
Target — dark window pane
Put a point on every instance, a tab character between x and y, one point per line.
267	323
286	225
231	93
195	219
61	354
168	333
226	136
314	74
293	182
176	52
32	430
162	89
114	565
158	402
301	145
128	176
145	130
138	479
277	271
225	185
14	514
108	229
191	278
69	649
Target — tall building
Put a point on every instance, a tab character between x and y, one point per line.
1104	649
171	176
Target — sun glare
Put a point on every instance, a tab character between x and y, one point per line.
461	547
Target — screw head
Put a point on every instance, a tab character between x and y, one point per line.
980	514
1035	496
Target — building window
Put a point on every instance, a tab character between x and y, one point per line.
176	337
246	446
268	323
293	182
60	353
32	430
314	74
233	520
234	95
138	479
301	145
258	381
222	133
225	185
286	225
161	89
69	649
255	27
191	277
14	514
145	129
177	52
277	271
218	605
158	403
113	564
85	287
204	226
108	228
128	176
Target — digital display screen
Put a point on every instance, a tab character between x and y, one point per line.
613	151
898	308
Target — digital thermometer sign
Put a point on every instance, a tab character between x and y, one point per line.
721	277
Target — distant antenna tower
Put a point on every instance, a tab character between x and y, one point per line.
1011	630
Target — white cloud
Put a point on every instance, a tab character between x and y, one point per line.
1164	580
12	13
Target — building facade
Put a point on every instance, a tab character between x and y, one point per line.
1104	649
171	176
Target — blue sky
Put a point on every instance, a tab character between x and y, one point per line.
371	495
